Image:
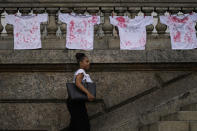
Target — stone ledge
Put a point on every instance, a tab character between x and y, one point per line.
88	3
97	56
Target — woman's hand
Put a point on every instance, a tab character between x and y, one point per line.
90	97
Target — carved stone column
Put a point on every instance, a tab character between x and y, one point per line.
120	10
79	10
25	11
52	21
147	12
186	10
174	10
161	28
107	27
115	28
133	11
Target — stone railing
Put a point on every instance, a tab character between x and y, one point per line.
56	28
53	32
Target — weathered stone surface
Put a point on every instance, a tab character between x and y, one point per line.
53	85
170	126
121	85
34	85
193	125
167	76
33	116
132	111
191	107
181	116
131	98
96	56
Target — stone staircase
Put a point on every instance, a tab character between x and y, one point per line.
183	120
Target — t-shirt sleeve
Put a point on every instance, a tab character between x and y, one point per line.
164	19
43	17
10	19
194	17
64	17
148	20
113	21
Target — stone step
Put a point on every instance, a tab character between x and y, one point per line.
190	107
193	125
180	116
167	126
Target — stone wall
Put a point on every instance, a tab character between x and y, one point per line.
133	87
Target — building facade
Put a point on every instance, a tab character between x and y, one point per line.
134	87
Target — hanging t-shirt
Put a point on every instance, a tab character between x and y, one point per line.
27	30
182	30
80	30
132	32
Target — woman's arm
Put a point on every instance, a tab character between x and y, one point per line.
78	83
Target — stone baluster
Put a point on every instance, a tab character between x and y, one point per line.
24	11
31	12
94	11
107	27
58	32
187	10
161	28
127	13
19	13
115	28
4	24
100	32
180	13
140	13
63	25
174	10
1	27
155	22
167	13
45	31
120	10
134	11
52	22
9	28
79	10
86	12
147	12
39	10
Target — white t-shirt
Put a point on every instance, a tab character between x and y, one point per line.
85	76
182	30
80	30
132	32
27	30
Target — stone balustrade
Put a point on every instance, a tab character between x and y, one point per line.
58	29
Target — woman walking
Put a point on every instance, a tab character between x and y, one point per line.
79	117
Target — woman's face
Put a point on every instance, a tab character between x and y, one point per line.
85	63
